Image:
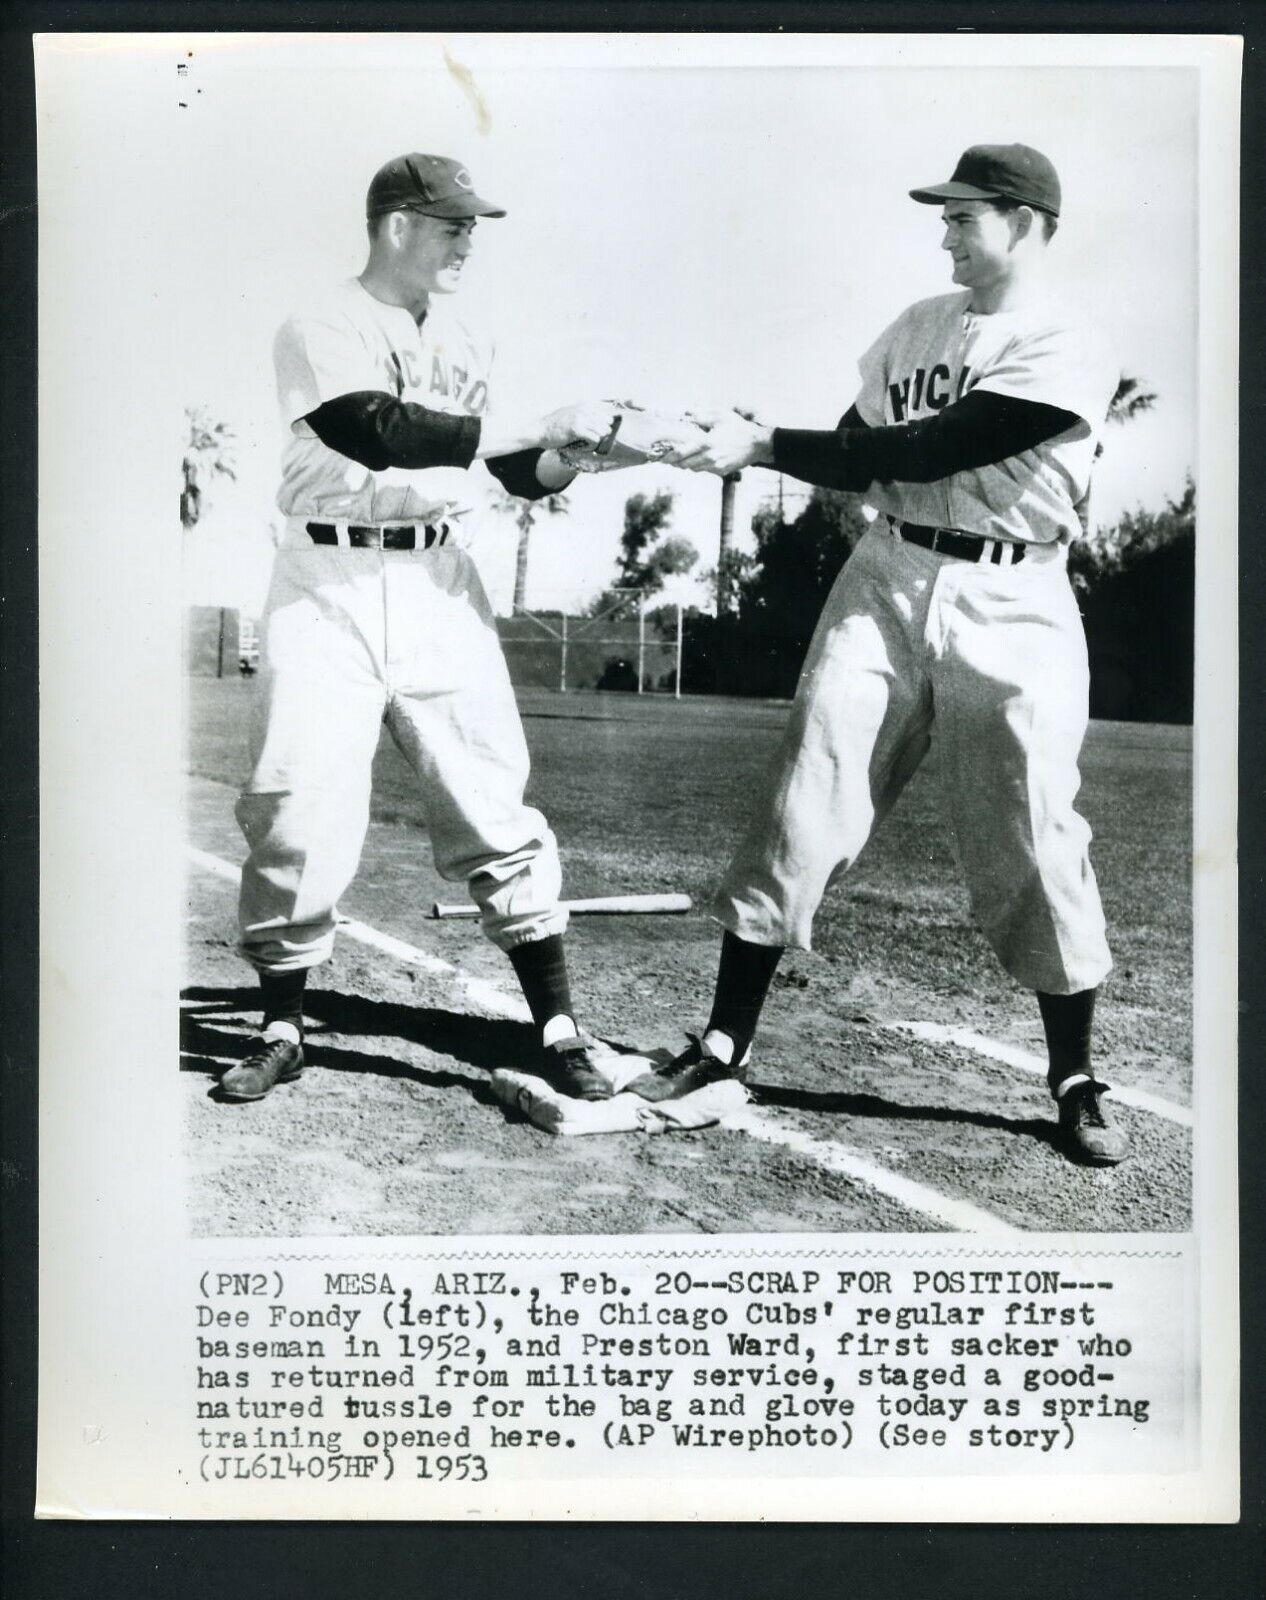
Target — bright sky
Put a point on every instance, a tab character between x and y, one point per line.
693	220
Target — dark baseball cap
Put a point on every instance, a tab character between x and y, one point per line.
433	185
998	172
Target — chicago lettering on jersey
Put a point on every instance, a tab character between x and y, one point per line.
924	390
448	382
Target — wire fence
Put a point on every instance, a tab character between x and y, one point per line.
627	645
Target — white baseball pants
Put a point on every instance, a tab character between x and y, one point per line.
993	658
352	639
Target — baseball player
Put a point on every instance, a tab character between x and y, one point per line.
972	436
376	614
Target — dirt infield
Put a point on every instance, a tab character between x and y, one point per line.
394	1129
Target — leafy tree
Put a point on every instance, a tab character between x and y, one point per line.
1135	583
781	591
646	561
1108	552
673	556
209	454
645	518
798	561
1137	588
525	513
733	570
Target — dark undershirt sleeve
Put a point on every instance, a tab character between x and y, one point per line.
516	473
379	431
975	431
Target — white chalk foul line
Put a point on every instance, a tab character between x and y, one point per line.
1010	1055
213	865
484	994
958	1215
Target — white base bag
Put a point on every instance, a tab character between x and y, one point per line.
623	1113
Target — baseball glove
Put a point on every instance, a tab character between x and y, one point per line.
637	436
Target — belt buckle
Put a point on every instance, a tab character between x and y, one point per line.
382	536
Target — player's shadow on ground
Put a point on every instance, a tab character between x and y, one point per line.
874	1105
210	1032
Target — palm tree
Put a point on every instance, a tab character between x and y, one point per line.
524	513
725	553
208	454
725	556
1130	400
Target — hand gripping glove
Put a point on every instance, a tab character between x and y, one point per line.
637	436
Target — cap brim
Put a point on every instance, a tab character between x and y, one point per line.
459	208
952	191
465	205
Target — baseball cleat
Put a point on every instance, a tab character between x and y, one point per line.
272	1061
569	1068
1085	1132
693	1069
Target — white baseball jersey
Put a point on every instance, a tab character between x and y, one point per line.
937	351
355	638
993	656
352	342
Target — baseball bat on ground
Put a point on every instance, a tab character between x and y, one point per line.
609	905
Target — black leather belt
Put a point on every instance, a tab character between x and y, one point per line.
949	542
359	538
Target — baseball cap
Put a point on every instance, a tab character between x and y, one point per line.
998	172
435	185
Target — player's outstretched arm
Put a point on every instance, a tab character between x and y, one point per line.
731	442
586	423
533	472
379	431
531	454
980	429
636	436
375	429
976	431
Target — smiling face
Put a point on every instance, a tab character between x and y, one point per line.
431	252
981	241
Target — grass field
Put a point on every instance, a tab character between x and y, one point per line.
647	793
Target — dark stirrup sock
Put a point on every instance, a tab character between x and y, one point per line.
1069	1022
282	995
541	968
743	981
